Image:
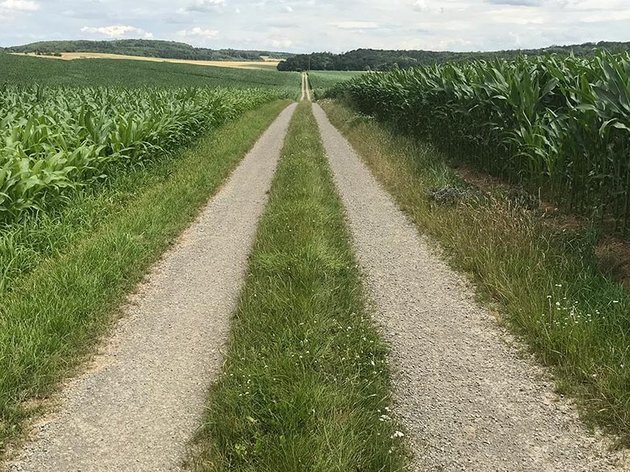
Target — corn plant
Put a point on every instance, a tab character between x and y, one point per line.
556	125
56	140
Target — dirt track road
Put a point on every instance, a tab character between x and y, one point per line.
468	399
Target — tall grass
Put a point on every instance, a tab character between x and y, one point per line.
560	126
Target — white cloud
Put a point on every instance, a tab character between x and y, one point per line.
280	42
441	6
520	3
605	17
19	5
198	33
601	5
436	44
204	5
420	5
516	16
321	25
117	31
355	25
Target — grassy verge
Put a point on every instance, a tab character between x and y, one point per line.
544	279
52	316
305	384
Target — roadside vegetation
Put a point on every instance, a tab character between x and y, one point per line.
322	81
65	149
541	274
79	263
305	384
560	127
96	180
58	140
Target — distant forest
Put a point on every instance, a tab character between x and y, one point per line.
360	59
145	48
374	59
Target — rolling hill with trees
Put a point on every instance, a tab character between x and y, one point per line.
374	59
145	48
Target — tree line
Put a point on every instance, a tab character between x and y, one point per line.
144	48
374	59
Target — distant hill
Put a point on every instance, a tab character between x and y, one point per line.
375	59
146	48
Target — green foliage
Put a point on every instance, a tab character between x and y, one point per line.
71	272
54	140
143	47
556	125
305	383
375	59
98	175
541	276
322	81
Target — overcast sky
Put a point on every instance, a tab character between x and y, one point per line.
308	25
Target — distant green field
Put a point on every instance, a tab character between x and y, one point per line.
323	80
105	72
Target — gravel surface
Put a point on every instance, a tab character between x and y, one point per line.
306	88
143	399
467	396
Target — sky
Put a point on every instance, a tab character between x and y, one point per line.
322	25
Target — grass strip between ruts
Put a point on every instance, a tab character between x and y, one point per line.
305	385
54	316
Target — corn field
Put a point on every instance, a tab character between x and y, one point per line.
56	140
560	126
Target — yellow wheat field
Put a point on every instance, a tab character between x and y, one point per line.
70	56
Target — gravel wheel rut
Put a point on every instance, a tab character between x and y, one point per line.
306	89
469	399
138	406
